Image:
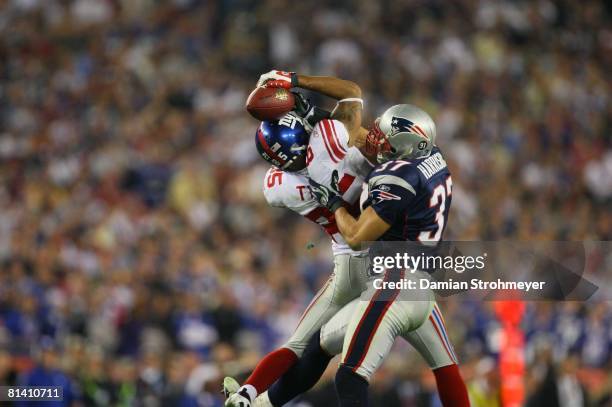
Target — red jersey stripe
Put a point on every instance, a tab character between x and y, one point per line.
332	140
345	183
325	143
336	136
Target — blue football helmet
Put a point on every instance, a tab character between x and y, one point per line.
283	142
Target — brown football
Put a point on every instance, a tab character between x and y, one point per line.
269	103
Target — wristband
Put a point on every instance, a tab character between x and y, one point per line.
351	100
294	80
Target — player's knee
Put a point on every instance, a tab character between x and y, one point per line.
352	388
316	349
330	344
296	347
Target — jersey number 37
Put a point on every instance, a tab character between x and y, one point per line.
438	199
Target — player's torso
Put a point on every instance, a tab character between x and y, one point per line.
332	162
423	218
290	190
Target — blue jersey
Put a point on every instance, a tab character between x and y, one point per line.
412	196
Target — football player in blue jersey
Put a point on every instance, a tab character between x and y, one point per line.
409	192
408	199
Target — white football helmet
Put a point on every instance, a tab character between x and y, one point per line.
402	132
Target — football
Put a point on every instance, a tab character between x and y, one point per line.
269	103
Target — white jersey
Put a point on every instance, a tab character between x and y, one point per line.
332	162
290	190
328	158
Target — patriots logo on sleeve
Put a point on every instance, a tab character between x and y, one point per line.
400	125
382	193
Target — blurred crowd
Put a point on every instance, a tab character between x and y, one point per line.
139	261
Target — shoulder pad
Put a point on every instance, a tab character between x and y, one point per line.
398	172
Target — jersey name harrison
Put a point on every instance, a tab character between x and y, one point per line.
432	165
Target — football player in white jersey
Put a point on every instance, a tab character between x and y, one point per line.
328	142
332	156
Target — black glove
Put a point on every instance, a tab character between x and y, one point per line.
302	104
310	113
325	196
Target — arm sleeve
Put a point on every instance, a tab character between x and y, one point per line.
390	196
271	189
287	190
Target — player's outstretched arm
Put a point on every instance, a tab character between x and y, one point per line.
347	93
349	108
329	86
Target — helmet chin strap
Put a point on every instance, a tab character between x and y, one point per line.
288	163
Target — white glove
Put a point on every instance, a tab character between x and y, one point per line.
279	78
230	386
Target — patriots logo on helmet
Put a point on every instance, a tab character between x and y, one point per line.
400	125
382	194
